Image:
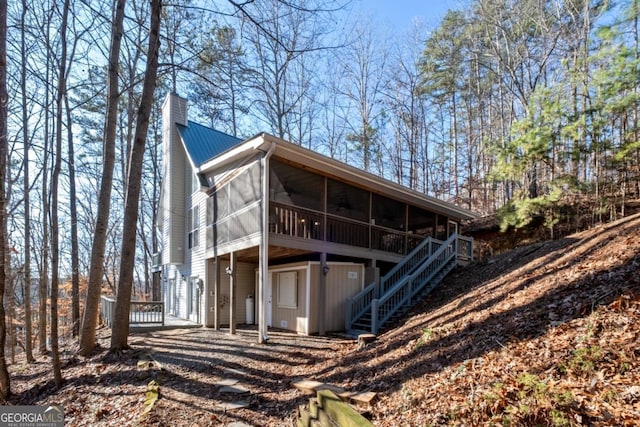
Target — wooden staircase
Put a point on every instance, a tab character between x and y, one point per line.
407	283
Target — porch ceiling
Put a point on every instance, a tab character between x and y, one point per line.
251	255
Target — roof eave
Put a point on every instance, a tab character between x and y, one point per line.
286	149
366	179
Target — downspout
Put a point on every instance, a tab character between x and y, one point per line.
264	248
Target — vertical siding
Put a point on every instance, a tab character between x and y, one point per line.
245	285
314	295
208	300
343	281
293	319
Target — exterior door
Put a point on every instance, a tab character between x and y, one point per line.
193	302
268	292
453	228
269	297
171	297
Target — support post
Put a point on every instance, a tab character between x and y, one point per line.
348	319
216	301
374	316
232	293
263	274
322	295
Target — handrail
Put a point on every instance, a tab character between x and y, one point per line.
405	280
360	303
141	312
147	312
465	249
419	253
107	309
403	291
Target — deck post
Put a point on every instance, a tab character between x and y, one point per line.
348	318
322	294
374	316
216	296
263	274
232	293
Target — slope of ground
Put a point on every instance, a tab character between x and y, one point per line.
547	334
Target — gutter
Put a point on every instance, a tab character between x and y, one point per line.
264	248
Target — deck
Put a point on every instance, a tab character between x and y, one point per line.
170	322
145	316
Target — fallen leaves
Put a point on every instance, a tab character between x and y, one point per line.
152	396
546	335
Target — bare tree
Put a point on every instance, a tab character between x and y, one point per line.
43	284
27	200
120	331
55	177
96	271
5	386
363	68
282	35
73	207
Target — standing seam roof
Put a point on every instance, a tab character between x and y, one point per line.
203	143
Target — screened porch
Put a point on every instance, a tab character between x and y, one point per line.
307	205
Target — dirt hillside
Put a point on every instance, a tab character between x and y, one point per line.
547	334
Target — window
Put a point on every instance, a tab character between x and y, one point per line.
293	186
388	213
347	201
288	289
195	183
193	225
422	222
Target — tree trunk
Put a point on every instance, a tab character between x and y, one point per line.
43	283
96	268
10	296
55	178
120	330
75	263
27	200
5	389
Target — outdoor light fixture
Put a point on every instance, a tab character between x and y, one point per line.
229	271
325	269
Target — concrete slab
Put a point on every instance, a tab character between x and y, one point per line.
226	382
230	406
307	386
366	397
231	371
234	389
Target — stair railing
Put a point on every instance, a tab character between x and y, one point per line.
360	303
401	294
421	252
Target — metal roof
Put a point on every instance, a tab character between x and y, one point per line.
203	143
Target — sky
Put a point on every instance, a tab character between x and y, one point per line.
399	14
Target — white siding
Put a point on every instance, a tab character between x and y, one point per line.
174	164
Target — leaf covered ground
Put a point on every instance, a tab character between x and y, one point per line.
546	334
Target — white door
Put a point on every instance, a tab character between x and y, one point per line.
171	300
453	228
269	297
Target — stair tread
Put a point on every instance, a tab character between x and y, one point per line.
364	321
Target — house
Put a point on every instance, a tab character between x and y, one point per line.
263	230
